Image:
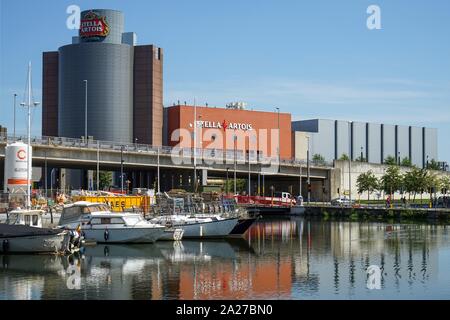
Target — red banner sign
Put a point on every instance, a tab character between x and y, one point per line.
92	25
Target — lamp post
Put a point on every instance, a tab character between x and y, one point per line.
279	141
121	169
226	188
45	173
14	130
308	171
51	183
85	109
399	158
350	162
235	160
98	165
362	156
300	181
195	147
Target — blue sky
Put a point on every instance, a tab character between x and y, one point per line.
314	59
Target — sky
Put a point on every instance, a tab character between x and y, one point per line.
313	59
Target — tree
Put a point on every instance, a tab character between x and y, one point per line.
240	185
391	180
390	161
367	182
445	184
415	181
406	162
433	165
105	178
432	183
344	157
318	159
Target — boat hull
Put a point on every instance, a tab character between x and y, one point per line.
124	235
172	235
55	243
210	229
241	228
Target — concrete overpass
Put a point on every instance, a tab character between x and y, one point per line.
141	163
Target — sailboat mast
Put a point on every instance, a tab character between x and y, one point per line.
29	138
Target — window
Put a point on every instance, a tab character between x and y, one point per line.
107	221
35	219
71	212
27	219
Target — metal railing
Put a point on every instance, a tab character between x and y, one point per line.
227	155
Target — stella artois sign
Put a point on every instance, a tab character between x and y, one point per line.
92	25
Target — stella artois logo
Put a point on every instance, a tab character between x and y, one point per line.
92	25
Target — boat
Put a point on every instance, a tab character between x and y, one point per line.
216	218
23	233
195	226
99	224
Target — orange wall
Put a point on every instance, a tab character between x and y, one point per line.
183	117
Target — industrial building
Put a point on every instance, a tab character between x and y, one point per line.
235	121
371	142
123	88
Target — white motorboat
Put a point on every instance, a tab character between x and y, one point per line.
99	224
199	226
23	233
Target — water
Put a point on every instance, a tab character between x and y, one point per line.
278	259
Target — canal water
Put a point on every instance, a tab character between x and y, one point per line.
278	259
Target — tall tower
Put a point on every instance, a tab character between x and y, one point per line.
124	84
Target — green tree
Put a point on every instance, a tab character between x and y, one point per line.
445	184
406	162
390	161
240	185
105	178
367	182
415	181
344	157
318	159
432	183
433	165
391	180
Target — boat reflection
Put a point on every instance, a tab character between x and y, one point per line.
278	259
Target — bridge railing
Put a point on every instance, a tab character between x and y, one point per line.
207	154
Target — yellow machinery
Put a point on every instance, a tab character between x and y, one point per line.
120	203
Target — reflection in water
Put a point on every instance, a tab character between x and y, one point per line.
278	259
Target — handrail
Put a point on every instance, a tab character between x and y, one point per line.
207	153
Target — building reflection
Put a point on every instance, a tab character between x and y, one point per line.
291	258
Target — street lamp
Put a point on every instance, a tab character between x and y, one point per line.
85	110
195	146
362	156
226	188
235	160
278	110
399	158
121	169
14	131
308	171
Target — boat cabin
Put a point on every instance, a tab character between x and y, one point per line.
81	210
31	218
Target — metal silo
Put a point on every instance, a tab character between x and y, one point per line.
100	57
